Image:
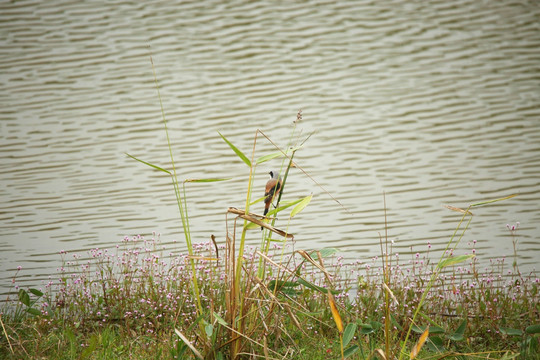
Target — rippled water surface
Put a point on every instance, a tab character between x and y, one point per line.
431	102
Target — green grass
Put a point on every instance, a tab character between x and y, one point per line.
126	303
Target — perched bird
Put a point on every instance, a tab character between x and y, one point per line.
273	186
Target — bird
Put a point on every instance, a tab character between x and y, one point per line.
273	186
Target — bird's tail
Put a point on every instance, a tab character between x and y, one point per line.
266	208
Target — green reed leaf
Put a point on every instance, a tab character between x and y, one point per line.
305	201
418	329
325	252
454	260
366	329
494	200
236	150
315	287
147	163
265	158
220	319
284	205
435	329
206	180
278	284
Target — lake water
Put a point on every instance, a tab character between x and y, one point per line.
431	102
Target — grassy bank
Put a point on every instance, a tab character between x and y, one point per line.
126	302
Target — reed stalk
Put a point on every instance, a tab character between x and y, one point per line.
441	262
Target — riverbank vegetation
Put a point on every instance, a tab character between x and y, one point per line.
133	300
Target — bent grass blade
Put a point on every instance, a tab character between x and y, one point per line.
453	208
236	151
268	157
283	207
206	180
189	344
151	165
454	260
416	349
301	206
335	312
494	200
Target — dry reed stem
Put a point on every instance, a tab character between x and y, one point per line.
453	208
252	217
320	266
189	344
267	291
390	293
292	272
326	274
6	335
246	337
294	318
379	352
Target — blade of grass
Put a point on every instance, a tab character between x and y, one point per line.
147	163
390	293
434	276
206	180
454	260
494	200
283	207
268	157
189	344
181	208
324	252
236	150
308	257
301	206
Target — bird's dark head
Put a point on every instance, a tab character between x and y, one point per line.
274	174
